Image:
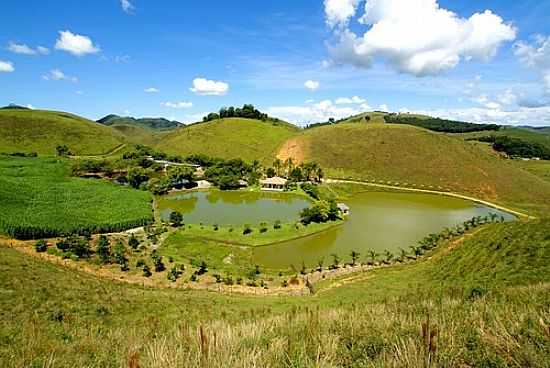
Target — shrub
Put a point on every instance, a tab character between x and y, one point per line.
176	218
133	242
173	274
103	249
140	263
41	246
277	225
247	230
157	262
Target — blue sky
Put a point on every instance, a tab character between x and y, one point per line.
301	60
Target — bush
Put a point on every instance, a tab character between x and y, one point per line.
277	225
133	242
176	218
247	230
41	246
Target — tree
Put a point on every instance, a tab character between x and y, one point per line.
146	271
289	165
62	150
103	249
119	255
373	256
335	261
41	246
354	257
157	262
133	242
296	174
180	174
174	274
320	264
203	268
137	176
277	165
389	256
270	172
176	218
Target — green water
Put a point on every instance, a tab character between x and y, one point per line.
378	220
233	207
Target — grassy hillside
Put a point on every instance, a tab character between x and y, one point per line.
422	314
138	135
41	131
40	199
528	135
230	138
410	156
147	123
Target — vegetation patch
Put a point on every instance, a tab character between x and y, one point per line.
40	199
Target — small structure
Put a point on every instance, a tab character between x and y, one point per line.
204	184
243	183
199	172
275	183
343	208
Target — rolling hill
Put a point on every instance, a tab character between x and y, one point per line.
148	123
536	136
411	156
41	131
248	139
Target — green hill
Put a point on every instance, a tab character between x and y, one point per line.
248	139
527	135
148	123
411	156
41	131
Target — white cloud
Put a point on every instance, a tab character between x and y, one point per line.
29	106
75	44
384	108
350	100
338	12
23	49
151	90
6	67
536	56
416	36
126	6
80	93
178	105
58	75
313	112
205	87
311	85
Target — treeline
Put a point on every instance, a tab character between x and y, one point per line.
332	121
247	111
27	231
439	125
516	147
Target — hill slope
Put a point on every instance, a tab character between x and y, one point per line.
230	138
148	123
416	157
41	131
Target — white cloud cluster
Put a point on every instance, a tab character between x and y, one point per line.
316	112
415	36
126	6
312	85
58	75
350	100
178	105
6	67
205	87
536	56
338	12
23	49
75	44
151	90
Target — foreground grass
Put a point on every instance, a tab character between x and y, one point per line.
430	313
40	199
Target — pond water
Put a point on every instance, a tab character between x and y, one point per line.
233	207
378	220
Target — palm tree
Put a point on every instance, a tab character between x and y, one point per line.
373	256
335	261
289	164
417	251
403	255
277	165
354	257
320	264
389	256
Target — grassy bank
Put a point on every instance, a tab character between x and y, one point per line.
430	313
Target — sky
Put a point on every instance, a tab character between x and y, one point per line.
304	61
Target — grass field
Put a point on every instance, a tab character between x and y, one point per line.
540	168
430	313
42	131
230	138
409	156
40	199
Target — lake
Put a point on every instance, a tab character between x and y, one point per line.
378	220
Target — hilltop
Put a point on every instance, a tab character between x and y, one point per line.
411	156
249	139
148	123
23	130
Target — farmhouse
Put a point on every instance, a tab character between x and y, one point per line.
275	183
343	208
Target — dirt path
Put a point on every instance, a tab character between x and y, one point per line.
108	153
449	194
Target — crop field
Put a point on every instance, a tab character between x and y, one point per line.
40	199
